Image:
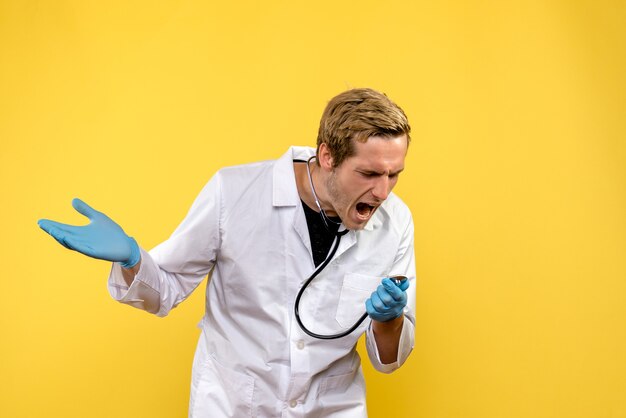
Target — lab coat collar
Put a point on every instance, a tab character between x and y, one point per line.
284	182
375	222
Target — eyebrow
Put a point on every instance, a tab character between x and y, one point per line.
379	173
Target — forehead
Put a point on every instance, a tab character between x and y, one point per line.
379	153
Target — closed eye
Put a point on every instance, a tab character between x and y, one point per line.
371	174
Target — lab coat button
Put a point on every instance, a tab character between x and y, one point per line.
300	344
293	404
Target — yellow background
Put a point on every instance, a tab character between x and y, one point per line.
516	178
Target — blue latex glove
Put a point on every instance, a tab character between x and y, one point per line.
388	301
101	238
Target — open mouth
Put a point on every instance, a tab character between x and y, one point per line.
364	210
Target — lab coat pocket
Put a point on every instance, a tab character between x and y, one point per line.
336	384
343	395
355	290
221	391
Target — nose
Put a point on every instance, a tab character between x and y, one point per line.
382	188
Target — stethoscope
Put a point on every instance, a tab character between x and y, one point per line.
397	279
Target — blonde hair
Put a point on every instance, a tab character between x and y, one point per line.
359	114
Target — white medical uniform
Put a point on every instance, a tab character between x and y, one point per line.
248	229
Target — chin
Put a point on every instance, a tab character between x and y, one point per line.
356	226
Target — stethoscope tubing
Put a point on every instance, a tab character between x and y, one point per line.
306	284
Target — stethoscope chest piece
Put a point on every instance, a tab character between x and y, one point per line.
398	279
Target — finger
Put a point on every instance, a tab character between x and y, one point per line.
404	285
59	235
378	304
394	291
384	296
84	209
47	225
72	242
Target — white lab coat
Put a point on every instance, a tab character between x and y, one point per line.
247	228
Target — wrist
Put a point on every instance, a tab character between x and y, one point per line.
135	254
388	327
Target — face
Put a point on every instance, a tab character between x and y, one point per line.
361	183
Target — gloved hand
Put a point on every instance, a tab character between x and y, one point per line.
101	238
388	301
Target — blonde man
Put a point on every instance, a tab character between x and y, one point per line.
260	230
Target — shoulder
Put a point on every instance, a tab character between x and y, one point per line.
241	177
233	180
245	171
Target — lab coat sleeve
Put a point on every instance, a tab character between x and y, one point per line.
172	270
404	262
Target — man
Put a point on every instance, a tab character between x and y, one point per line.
259	231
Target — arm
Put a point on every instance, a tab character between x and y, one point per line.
387	335
391	335
104	239
386	308
156	281
170	272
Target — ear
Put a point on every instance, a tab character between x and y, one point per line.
324	157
